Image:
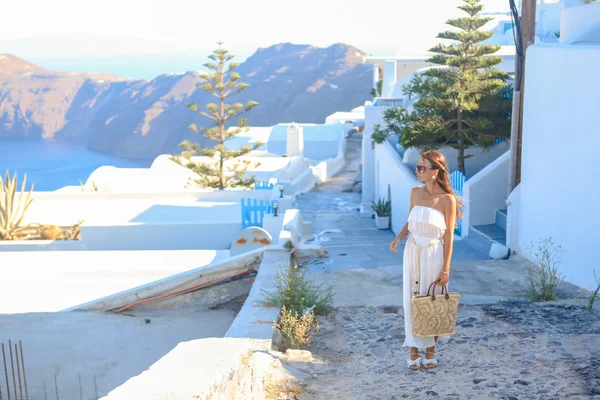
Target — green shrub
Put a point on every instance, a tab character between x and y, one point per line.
383	207
297	294
542	271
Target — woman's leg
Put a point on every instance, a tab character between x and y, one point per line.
430	354
414	354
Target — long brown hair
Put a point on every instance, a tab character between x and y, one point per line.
438	161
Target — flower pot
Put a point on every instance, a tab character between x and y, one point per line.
382	222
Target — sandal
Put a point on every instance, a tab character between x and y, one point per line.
429	363
414	364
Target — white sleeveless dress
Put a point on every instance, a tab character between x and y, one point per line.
422	263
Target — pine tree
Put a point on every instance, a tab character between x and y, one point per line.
462	102
214	174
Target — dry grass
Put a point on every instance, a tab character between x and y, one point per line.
297	331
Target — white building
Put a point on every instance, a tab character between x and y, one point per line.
558	191
558	194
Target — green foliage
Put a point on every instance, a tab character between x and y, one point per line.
300	300
588	1
222	83
298	294
12	207
383	208
542	271
463	102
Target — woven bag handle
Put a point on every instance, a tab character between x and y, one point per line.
434	284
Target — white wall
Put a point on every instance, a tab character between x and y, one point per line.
559	188
320	141
485	193
373	116
393	173
301	176
389	78
580	24
479	158
205	220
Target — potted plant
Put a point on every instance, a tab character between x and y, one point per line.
383	209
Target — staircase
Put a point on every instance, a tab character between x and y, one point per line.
495	232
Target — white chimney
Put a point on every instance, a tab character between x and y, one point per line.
295	141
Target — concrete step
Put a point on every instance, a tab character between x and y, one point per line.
501	216
477	241
491	232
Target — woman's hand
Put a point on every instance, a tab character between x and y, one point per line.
393	246
443	278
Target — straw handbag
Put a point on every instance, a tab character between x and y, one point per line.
435	315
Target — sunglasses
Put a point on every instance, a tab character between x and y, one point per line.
421	168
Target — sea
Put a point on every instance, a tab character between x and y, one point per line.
51	165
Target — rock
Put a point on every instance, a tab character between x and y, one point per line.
521	382
498	251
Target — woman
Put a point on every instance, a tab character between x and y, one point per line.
434	209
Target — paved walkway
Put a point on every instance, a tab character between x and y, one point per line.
504	347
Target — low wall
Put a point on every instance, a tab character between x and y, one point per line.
163	236
138	236
199	369
579	24
196	195
236	366
393	179
291	227
256	321
485	193
219	270
479	159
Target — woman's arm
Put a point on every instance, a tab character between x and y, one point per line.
450	213
404	232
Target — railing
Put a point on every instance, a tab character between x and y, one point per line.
263	185
457	180
253	211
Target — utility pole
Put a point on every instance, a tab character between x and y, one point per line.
527	23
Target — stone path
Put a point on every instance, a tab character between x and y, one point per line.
510	350
504	347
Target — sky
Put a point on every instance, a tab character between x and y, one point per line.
81	34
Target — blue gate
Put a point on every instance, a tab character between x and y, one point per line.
457	180
253	211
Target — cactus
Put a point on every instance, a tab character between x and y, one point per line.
13	208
